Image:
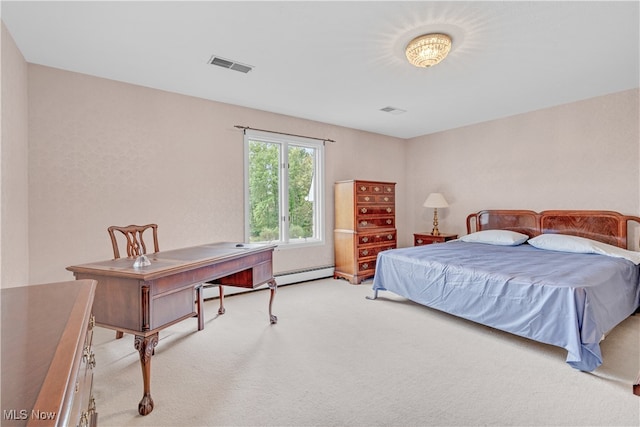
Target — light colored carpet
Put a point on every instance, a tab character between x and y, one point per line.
337	359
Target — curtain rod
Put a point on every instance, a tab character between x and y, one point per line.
244	128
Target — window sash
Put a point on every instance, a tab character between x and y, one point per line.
286	143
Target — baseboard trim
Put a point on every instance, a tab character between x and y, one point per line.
305	275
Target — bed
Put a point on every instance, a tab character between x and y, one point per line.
568	293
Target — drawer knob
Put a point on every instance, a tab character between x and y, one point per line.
363	210
389	221
363	223
365	266
376	189
367	198
365	239
365	252
363	188
420	241
390	236
389	210
386	199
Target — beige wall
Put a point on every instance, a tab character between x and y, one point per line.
14	248
582	155
107	153
102	152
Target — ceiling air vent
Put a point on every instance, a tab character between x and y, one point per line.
232	65
393	110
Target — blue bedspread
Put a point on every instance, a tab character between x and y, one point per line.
565	299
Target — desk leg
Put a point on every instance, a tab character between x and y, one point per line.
145	346
221	310
272	287
199	301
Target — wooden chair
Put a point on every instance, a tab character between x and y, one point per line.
136	246
135	243
135	239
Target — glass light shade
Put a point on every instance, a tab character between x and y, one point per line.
435	200
428	50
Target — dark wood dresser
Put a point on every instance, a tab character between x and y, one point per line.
47	359
365	224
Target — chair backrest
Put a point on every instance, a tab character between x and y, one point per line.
135	241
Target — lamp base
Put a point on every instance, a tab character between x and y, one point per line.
435	231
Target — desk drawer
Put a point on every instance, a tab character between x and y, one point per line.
166	308
251	277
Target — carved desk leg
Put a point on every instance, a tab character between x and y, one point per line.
145	346
272	287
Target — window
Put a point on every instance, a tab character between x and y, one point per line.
283	188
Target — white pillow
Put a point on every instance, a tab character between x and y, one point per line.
575	244
496	237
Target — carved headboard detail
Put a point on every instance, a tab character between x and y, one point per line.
604	226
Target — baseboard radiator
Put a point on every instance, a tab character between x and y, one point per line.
285	278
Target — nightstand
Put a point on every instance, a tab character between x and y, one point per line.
420	239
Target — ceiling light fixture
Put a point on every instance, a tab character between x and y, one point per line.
428	50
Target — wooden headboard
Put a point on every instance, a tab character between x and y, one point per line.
604	226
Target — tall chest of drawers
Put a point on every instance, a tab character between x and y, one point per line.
365	224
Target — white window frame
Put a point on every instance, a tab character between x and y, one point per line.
319	190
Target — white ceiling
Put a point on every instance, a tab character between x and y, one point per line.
341	62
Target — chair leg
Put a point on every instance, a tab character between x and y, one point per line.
221	310
119	334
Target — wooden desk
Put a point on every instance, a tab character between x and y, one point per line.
145	300
47	360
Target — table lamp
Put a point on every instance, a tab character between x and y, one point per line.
435	201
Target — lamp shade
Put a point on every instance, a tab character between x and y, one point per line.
435	200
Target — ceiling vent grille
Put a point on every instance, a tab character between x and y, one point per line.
393	110
232	65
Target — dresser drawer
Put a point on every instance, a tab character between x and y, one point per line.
83	408
374	188
421	239
83	404
368	265
384	199
373	251
385	237
364	211
381	222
